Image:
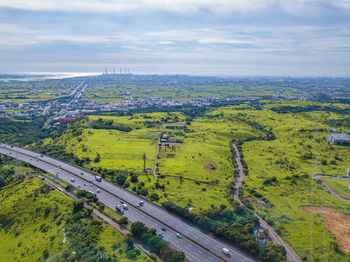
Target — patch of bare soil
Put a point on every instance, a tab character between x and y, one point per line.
209	165
336	222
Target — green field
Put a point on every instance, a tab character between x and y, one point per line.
280	174
281	150
341	186
20	92
32	219
118	149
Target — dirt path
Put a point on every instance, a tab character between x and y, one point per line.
291	255
240	174
330	190
156	158
336	222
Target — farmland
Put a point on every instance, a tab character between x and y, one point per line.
282	145
21	92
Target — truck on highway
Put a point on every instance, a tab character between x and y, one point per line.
119	208
98	178
226	251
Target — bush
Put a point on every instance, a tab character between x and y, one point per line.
138	229
123	221
154	197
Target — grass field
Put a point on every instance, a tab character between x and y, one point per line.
341	186
198	171
280	174
31	225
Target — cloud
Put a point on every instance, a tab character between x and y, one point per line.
180	6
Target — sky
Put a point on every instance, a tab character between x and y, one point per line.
195	37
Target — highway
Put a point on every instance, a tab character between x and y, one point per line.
196	245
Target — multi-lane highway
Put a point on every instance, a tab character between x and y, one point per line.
196	245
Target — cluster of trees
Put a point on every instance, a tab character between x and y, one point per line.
118	177
6	176
83	233
309	108
109	124
156	243
235	227
26	132
58	151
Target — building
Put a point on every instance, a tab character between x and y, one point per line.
261	234
339	139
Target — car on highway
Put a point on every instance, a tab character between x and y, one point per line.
163	228
119	208
178	235
72	180
82	173
98	178
91	185
125	207
121	202
85	184
98	190
141	203
160	234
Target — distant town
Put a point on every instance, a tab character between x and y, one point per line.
171	91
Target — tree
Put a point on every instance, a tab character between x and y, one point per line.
77	206
123	221
154	197
177	256
138	229
134	179
129	240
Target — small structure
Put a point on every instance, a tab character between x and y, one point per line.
339	139
261	234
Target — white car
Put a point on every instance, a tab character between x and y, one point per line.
226	251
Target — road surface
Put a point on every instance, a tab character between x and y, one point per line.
196	245
331	190
240	174
291	255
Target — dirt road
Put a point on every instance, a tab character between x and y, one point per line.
291	255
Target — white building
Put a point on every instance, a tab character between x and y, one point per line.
339	139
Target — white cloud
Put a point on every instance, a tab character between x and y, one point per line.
182	6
